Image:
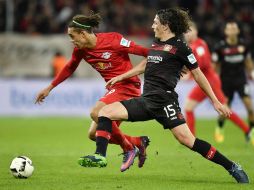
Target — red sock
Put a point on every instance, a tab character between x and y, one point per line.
118	138
239	122
134	140
190	119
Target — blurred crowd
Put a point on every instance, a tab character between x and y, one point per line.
131	17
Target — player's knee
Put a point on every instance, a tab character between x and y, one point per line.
188	107
104	112
94	114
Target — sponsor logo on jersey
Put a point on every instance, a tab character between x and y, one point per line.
192	58
167	47
106	55
241	49
154	59
234	58
102	66
125	42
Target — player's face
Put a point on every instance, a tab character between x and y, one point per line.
157	27
78	39
231	29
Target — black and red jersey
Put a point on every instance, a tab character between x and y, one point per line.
232	60
165	61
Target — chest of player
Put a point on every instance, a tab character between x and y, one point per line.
104	60
233	55
162	58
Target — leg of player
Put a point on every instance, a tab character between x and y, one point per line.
115	111
189	107
125	141
185	137
248	105
219	133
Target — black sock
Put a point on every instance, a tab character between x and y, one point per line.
104	125
221	122
210	153
101	146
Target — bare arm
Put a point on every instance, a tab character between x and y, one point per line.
204	84
137	70
249	67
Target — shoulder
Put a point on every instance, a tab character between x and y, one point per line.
182	45
219	45
109	35
242	42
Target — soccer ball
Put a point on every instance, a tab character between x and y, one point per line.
21	167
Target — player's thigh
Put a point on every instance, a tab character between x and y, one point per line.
169	114
137	109
197	94
247	102
190	104
220	95
114	111
119	93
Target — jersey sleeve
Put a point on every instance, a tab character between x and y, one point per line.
69	68
216	53
187	57
124	45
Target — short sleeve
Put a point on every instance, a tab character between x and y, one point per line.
216	52
187	57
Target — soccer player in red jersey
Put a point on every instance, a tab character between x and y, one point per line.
197	95
107	53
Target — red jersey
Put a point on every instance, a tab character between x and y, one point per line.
109	57
201	51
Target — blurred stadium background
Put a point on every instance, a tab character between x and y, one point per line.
32	31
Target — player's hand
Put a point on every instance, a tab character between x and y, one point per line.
223	110
113	81
42	95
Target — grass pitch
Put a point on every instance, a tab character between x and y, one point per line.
55	144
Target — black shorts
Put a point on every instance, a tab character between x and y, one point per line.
229	88
162	107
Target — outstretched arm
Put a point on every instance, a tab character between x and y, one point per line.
138	69
204	84
66	72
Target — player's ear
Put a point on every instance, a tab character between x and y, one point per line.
83	33
165	27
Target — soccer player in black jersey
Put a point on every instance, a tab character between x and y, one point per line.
233	60
159	101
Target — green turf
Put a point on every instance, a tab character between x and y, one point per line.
55	144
